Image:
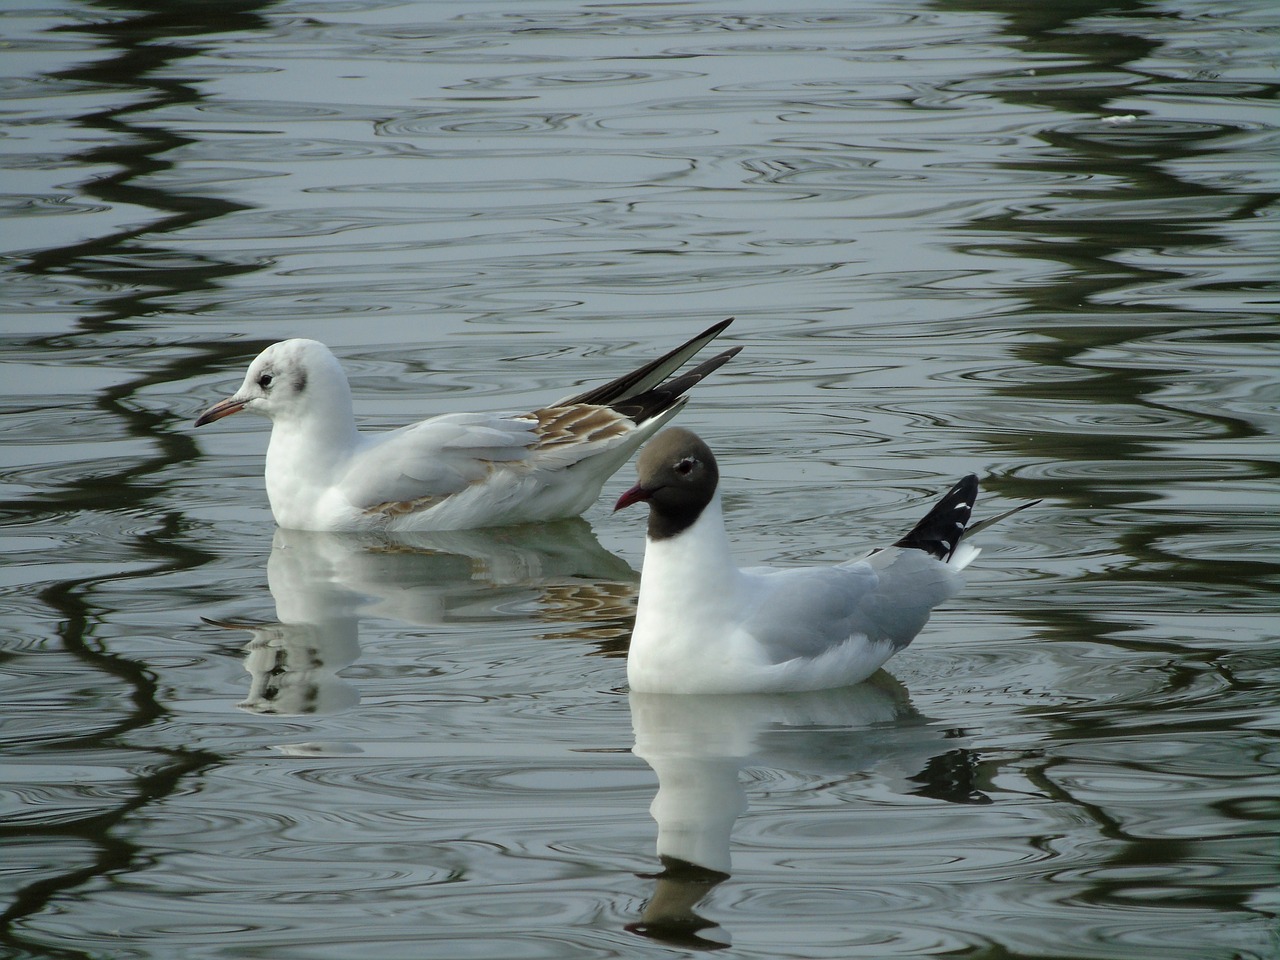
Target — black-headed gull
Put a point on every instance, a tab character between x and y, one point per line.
457	471
705	626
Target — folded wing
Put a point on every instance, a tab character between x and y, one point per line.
434	459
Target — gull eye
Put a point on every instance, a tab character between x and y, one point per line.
685	466
264	381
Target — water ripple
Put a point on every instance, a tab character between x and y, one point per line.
1036	245
1150	133
599	77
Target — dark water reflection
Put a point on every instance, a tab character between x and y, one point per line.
1033	240
116	275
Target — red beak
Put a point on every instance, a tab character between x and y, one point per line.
636	494
223	408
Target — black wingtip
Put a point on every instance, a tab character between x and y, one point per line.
939	533
715	329
646	406
639	382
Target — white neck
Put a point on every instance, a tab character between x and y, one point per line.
310	449
689	589
699	556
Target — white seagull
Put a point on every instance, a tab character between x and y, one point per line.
705	626
452	472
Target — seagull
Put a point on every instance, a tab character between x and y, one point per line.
705	626
457	471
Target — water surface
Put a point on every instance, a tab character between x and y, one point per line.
1032	241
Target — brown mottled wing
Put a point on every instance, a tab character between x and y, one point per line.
578	423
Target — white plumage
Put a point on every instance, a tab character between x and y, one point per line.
705	626
451	472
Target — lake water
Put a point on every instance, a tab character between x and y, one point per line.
1036	241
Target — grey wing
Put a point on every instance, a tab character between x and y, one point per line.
436	458
804	612
888	596
910	583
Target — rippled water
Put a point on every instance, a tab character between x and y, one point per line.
1036	241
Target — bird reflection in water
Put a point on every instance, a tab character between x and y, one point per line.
669	915
323	584
698	745
294	666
